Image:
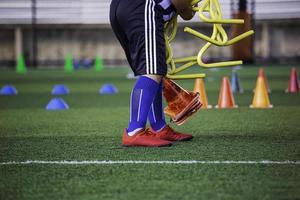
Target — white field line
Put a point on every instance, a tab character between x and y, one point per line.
113	162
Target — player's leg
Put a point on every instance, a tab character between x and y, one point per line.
133	23
143	37
142	96
156	47
156	115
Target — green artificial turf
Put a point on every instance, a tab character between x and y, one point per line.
91	130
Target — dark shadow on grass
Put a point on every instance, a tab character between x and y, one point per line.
202	147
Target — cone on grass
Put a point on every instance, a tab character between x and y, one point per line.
21	66
235	83
8	90
69	63
226	99
261	73
108	89
60	89
181	104
57	104
293	86
98	64
199	87
261	96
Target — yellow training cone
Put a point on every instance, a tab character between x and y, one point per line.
261	97
200	88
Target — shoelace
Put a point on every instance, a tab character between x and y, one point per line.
170	130
147	132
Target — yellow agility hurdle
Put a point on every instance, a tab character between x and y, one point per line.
219	38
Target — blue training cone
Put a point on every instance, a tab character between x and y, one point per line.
8	90
235	83
108	89
57	104
60	90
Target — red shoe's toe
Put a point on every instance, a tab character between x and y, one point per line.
186	137
167	133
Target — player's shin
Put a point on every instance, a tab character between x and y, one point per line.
141	100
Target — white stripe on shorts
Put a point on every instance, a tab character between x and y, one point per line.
150	37
154	37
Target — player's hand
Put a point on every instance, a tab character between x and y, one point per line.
184	9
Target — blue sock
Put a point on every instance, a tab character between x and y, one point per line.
141	99
156	114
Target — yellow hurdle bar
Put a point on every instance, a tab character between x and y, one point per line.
186	76
219	38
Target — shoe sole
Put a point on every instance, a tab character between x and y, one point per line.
182	140
185	139
165	145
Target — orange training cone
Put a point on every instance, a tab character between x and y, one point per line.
181	104
261	73
200	88
261	97
226	99
293	82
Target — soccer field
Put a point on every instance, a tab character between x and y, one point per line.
81	138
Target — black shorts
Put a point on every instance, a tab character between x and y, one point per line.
139	26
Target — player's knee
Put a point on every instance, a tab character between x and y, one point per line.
154	77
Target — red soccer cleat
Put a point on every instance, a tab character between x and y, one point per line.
167	133
144	138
